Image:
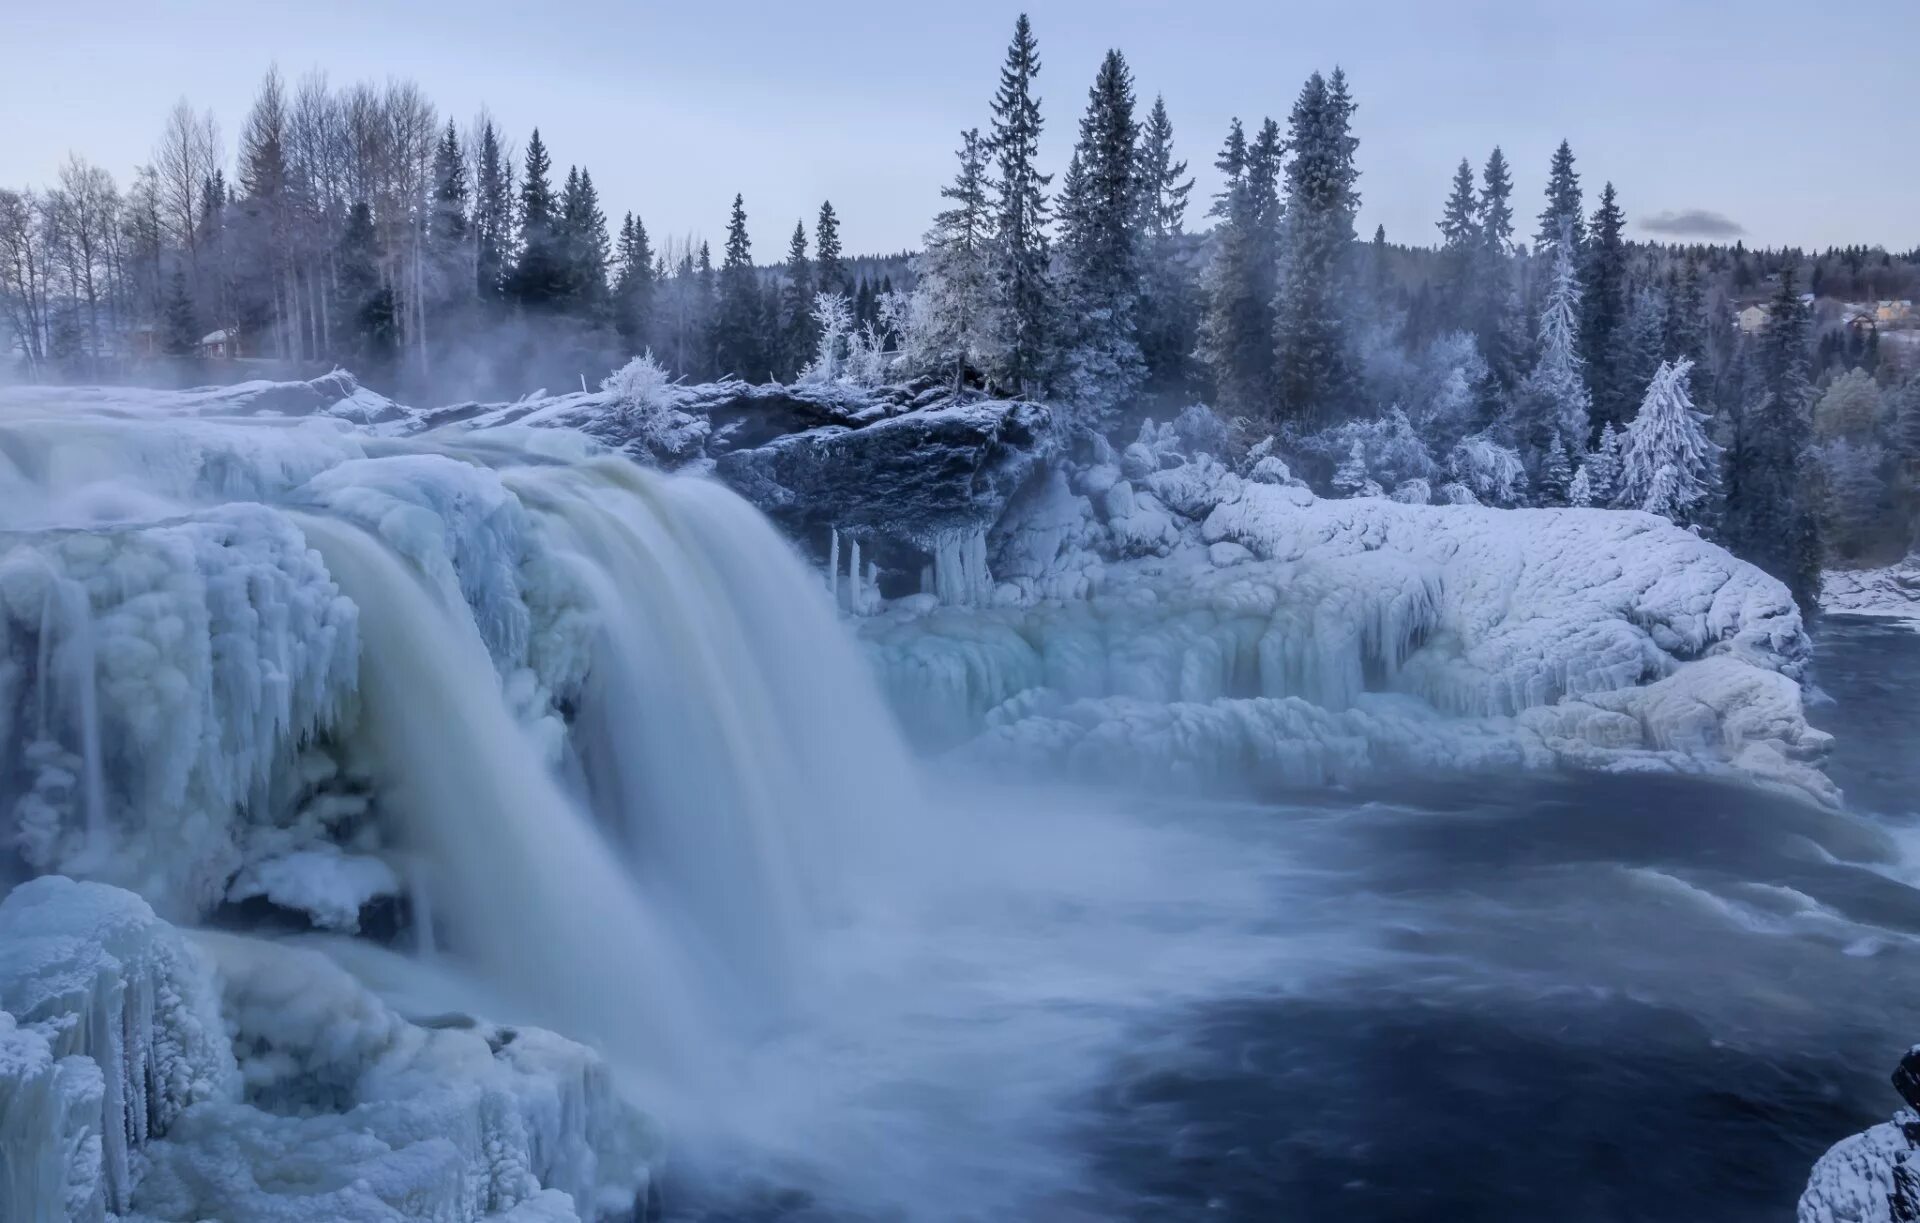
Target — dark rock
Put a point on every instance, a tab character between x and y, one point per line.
913	476
1906	1078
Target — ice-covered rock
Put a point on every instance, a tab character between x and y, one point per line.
917	476
1362	634
1873	1176
151	1077
1892	592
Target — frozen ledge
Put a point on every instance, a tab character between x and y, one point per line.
1184	622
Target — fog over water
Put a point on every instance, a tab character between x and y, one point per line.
1570	997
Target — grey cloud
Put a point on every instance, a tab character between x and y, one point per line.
1692	223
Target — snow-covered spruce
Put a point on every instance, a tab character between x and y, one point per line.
148	1076
1167	617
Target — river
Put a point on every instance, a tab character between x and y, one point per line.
1564	997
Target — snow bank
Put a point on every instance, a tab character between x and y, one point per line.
159	1079
1165	617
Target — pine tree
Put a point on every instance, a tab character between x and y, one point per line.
737	336
1603	317
540	274
797	331
954	329
1771	495
1313	363
1168	313
1026	296
1668	464
1563	213
1099	247
830	273
492	217
636	288
1350	477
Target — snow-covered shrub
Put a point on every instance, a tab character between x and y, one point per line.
1493	472
1202	432
1434	384
1414	492
1386	451
640	389
857	353
1455	493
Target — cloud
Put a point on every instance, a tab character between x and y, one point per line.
1692	223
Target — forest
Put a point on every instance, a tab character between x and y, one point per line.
1766	398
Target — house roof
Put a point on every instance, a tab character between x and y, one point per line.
214	337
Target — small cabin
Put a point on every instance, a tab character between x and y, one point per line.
223	344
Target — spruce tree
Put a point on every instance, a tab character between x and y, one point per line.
796	324
1603	317
953	303
1232	164
182	335
1313	363
1496	305
1668	464
830	273
540	274
1603	465
1686	329
492	217
1555	479
737	329
1555	393
1580	489
1460	245
1026	306
451	195
706	311
584	229
1772	494
1563	213
1643	344
1168	313
365	314
636	288
1099	247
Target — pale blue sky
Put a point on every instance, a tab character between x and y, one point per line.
1792	118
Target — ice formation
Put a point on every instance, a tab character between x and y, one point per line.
527	691
147	1076
1160	615
1892	592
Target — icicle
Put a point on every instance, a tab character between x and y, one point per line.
833	568
853	576
872	588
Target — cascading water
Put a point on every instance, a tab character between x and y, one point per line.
737	786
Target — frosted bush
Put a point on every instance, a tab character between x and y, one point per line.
1493	472
641	391
1202	432
1413	492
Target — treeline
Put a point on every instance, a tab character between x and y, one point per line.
1564	365
359	228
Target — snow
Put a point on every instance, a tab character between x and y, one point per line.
1308	640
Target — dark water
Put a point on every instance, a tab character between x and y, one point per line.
1549	998
1638	999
